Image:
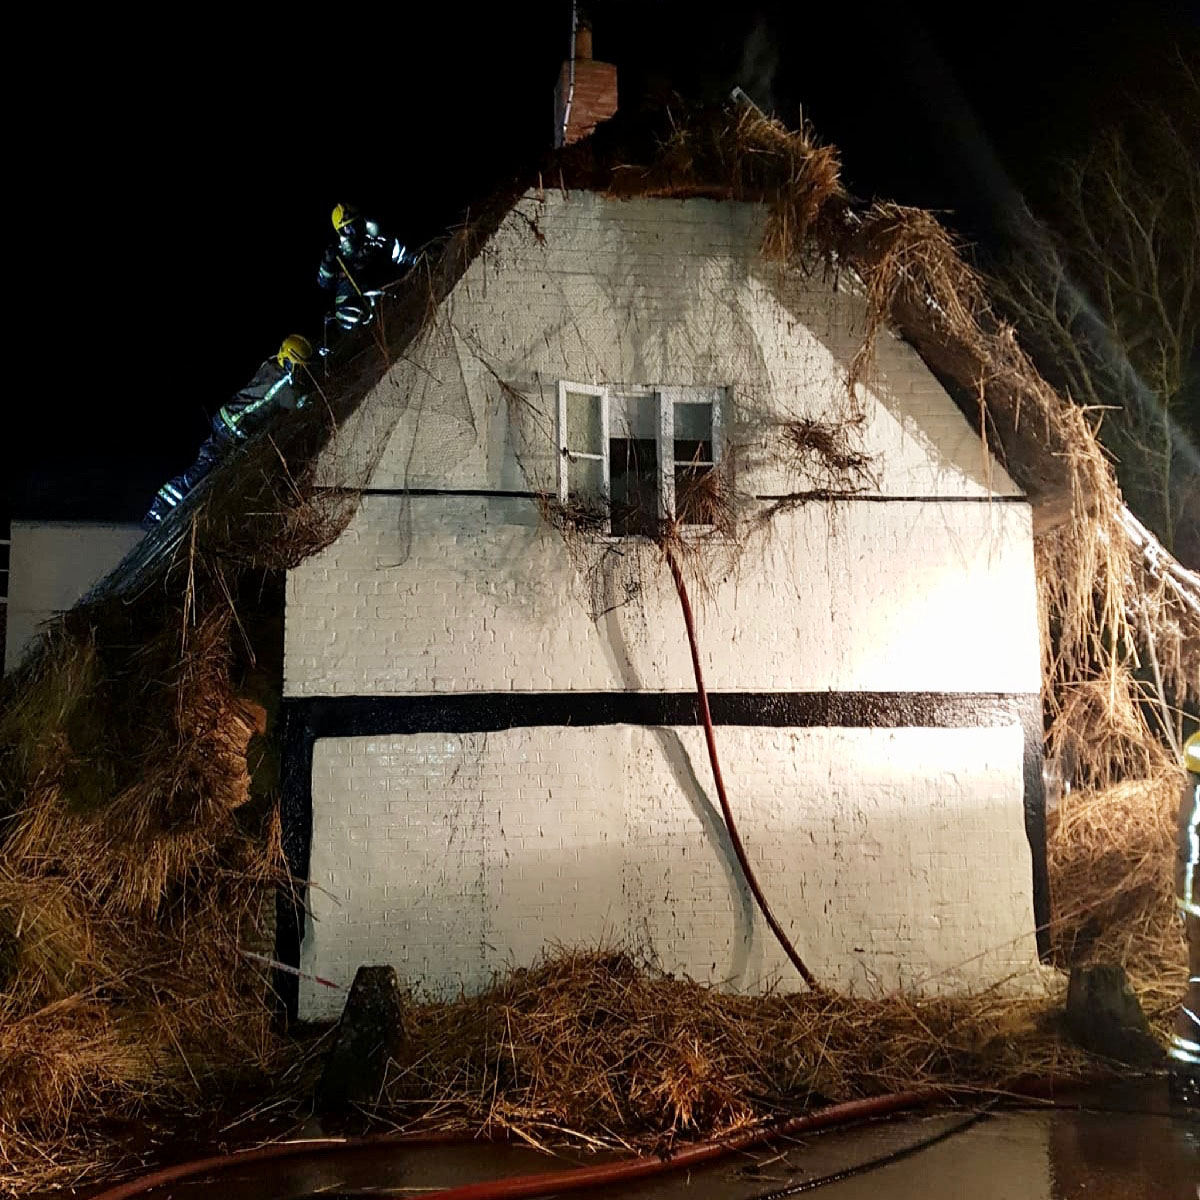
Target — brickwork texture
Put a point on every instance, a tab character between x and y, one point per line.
897	857
888	855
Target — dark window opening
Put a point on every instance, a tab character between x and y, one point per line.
695	483
633	471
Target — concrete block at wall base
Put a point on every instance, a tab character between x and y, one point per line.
370	1035
1104	1016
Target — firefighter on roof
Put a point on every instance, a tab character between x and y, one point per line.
359	260
1185	1043
275	386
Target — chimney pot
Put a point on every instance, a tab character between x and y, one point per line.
583	41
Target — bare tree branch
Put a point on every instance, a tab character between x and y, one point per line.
1106	295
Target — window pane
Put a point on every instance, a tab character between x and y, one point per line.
633	415
697	500
694	453
585	482
634	473
583	422
693	422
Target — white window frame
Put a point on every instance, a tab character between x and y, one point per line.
565	455
665	399
668	397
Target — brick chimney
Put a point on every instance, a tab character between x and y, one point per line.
586	93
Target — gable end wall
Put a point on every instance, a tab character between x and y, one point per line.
449	583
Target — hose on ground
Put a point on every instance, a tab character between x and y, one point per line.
710	739
873	1164
141	1184
544	1183
626	1171
576	1179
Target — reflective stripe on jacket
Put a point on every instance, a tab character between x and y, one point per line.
270	388
1187	860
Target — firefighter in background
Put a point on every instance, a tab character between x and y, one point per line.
276	385
360	259
1185	1044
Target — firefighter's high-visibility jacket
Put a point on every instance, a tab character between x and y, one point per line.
272	387
358	261
1185	1041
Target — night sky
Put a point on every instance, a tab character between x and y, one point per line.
177	194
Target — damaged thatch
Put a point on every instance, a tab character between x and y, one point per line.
140	846
134	867
140	852
597	1047
1111	858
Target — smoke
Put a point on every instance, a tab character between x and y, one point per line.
759	64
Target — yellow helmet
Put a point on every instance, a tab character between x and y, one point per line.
343	215
1191	753
296	351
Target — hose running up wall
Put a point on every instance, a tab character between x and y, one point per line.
706	716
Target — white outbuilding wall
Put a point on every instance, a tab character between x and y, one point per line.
890	836
51	565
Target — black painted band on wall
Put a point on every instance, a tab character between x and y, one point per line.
823	495
307	720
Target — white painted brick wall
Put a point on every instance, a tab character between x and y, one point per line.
868	597
431	594
895	858
907	844
51	565
645	292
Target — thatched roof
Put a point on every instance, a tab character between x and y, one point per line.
138	835
916	283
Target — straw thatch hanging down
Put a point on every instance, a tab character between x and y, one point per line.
1120	619
140	845
139	848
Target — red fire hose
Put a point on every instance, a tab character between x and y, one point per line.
575	1179
142	1184
629	1170
580	1178
709	737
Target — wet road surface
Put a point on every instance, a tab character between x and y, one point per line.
1124	1146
